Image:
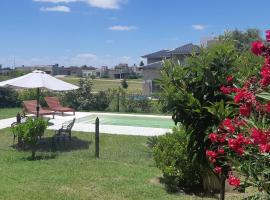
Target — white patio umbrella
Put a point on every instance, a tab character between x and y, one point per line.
38	80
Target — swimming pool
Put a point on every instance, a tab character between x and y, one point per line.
129	120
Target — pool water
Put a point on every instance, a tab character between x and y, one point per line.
123	120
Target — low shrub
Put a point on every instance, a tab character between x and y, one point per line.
171	156
30	131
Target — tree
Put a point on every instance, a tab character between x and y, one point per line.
242	39
124	83
141	64
82	98
187	92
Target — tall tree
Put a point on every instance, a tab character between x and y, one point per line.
242	39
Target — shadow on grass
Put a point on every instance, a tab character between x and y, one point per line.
47	149
61	145
41	157
196	191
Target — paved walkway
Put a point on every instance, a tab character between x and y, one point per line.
110	129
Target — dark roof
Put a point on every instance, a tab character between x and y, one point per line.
153	65
186	49
159	54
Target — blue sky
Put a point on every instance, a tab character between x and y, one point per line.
106	32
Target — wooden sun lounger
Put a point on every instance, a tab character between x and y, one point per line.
55	105
31	108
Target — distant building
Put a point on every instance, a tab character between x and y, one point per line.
89	72
151	71
121	71
4	71
49	69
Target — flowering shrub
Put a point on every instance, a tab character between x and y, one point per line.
242	143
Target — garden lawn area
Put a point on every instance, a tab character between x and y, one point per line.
134	85
125	170
9	112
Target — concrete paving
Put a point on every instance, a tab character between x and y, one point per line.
110	129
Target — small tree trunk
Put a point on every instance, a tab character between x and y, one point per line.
222	187
33	152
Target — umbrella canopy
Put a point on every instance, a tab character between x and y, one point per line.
38	79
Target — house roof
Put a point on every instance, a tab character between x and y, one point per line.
153	65
158	54
186	49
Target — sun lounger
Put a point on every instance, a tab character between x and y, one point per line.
31	108
55	105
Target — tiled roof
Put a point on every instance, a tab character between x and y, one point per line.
159	54
153	65
186	49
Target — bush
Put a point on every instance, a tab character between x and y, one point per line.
30	131
9	98
171	156
82	98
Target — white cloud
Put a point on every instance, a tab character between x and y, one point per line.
199	27
55	9
105	4
122	28
85	56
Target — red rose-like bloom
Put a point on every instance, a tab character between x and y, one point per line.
229	79
234	181
218	170
264	148
258	136
213	137
265	73
245	110
267	35
257	47
267	107
227	123
221	151
211	154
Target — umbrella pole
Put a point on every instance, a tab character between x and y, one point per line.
38	91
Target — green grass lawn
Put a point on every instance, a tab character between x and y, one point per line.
9	112
125	170
134	85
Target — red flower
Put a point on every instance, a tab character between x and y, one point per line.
265	73
234	181
267	107
258	136
229	79
211	154
222	138
213	137
257	47
221	151
245	110
267	35
227	124
218	170
264	148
